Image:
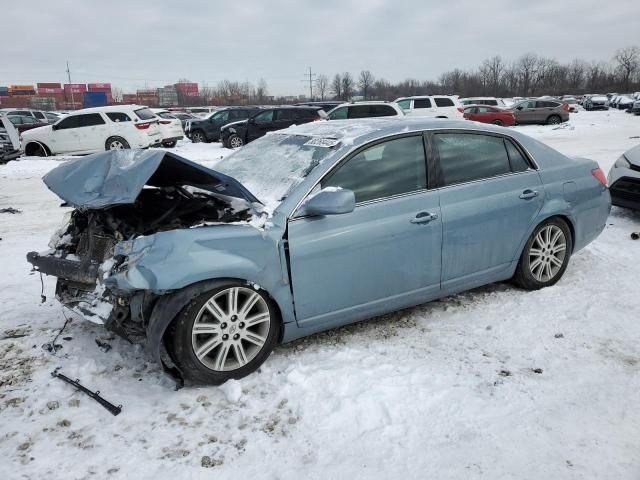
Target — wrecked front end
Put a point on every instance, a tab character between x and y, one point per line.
118	197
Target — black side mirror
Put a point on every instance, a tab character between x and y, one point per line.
54	127
519	107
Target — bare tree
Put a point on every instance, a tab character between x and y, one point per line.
493	68
322	85
365	82
576	74
347	85
628	62
527	68
336	86
261	90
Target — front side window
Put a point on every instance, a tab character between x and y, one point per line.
90	120
382	111
485	110
221	116
527	104
68	122
404	104
386	169
118	117
469	110
39	115
264	117
443	102
422	103
465	157
338	114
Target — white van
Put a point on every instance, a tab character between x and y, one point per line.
94	130
436	106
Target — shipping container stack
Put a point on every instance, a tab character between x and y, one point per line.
43	103
101	88
186	89
74	95
51	90
17	96
129	98
147	97
168	96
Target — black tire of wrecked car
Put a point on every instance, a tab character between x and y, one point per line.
177	341
170	144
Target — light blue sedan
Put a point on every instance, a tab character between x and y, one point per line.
311	228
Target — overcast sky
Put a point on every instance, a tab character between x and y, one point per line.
133	43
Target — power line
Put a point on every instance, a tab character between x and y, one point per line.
311	76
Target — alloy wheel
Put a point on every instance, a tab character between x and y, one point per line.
231	329
197	137
116	145
235	142
547	253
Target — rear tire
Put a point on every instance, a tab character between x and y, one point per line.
554	120
198	136
225	333
499	123
234	141
116	143
545	256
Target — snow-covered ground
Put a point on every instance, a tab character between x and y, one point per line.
496	383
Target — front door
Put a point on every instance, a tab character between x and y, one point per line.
65	137
526	112
382	256
489	197
262	123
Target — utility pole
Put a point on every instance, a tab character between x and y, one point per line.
73	103
312	77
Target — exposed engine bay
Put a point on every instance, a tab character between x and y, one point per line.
82	251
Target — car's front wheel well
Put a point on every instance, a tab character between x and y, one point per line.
34	149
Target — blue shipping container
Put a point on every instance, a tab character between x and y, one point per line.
4	91
94	99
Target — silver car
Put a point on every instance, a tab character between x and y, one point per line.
624	180
540	111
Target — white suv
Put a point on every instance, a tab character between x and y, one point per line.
95	130
436	106
365	110
170	127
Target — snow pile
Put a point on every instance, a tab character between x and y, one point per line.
496	383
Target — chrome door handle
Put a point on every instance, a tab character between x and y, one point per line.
528	194
424	217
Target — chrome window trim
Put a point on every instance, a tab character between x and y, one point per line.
293	216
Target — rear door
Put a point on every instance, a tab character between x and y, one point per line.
544	109
490	195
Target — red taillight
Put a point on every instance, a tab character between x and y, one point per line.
461	109
599	174
142	126
165	122
566	107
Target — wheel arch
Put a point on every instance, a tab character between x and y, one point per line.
168	306
38	143
563	216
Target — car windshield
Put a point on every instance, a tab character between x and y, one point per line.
272	165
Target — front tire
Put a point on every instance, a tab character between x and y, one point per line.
225	333
235	141
499	123
116	143
546	255
169	144
36	149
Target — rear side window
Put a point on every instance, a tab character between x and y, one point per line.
308	114
90	119
381	111
404	104
546	104
264	117
166	115
383	170
465	157
145	114
359	111
422	103
485	110
118	117
39	115
289	115
444	102
518	162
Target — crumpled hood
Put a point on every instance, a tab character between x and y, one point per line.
117	178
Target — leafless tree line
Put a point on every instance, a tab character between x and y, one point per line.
529	75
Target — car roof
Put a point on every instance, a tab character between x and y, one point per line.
110	108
